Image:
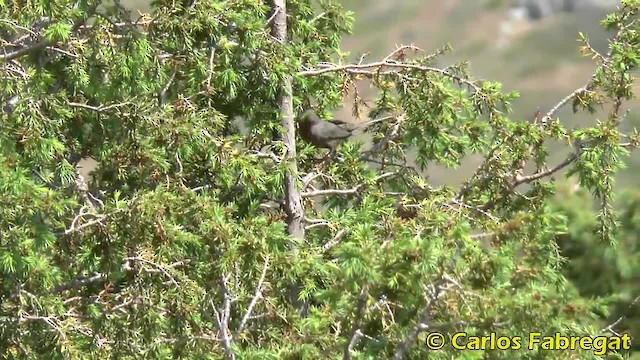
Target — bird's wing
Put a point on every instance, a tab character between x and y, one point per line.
344	125
333	131
339	122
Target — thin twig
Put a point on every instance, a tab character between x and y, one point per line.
155	265
256	298
388	63
436	292
336	239
620	319
331	192
223	318
99	108
78	283
273	16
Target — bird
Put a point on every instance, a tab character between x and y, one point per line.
327	134
323	133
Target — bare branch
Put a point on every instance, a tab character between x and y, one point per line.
162	95
223	319
100	108
25	50
307	179
362	57
123	305
609	328
256	298
392	135
64	52
18	26
562	103
356	333
43	43
331	192
273	16
160	267
465	205
16	69
49	320
318	17
78	283
316	223
99	218
269	155
436	292
387	62
519	179
336	239
212	53
343	191
587	87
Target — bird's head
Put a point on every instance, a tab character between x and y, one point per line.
308	115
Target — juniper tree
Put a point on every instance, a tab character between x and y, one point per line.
210	230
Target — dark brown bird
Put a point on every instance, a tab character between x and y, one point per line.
323	133
327	134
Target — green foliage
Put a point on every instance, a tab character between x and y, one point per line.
596	268
178	245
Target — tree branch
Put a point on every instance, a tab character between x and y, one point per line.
387	62
223	318
293	200
356	333
78	283
44	43
256	298
437	291
336	239
519	179
610	327
99	108
353	190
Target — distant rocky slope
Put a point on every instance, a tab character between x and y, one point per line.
537	9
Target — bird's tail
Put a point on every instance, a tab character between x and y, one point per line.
374	121
355	126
